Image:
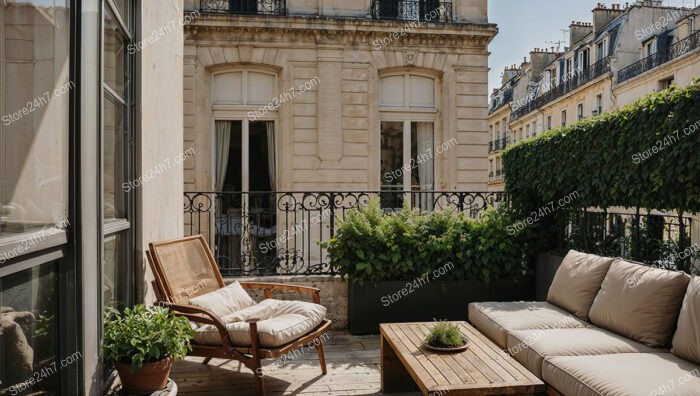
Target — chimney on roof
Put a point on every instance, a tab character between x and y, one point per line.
578	31
602	16
538	60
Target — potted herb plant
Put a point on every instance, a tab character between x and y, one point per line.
446	337
142	342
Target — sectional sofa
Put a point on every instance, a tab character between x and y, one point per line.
608	327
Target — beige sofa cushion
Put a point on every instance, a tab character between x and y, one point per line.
640	302
578	281
686	341
531	347
280	322
626	374
496	319
225	301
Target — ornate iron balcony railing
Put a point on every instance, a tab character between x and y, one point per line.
653	61
412	10
273	233
252	7
578	78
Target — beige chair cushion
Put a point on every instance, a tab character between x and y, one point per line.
640	302
281	322
578	281
225	301
496	319
531	347
686	341
626	374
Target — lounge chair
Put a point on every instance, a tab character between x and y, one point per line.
187	279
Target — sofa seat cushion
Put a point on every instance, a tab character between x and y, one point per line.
280	322
578	281
625	374
640	302
686	341
496	319
531	347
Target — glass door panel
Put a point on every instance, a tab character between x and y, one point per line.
392	166
29	340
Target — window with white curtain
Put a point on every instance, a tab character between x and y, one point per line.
407	158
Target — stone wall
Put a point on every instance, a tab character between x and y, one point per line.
334	293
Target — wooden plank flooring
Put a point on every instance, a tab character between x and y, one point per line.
353	369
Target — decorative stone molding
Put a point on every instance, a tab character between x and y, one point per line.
409	57
220	30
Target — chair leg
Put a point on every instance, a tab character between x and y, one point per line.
321	356
259	384
206	361
257	366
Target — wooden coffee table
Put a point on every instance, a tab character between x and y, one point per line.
483	369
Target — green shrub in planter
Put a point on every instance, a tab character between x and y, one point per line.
143	335
371	246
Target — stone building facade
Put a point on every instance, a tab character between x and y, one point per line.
318	94
623	54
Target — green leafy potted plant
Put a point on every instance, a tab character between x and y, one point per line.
142	342
446	337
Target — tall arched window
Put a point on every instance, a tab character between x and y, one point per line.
408	114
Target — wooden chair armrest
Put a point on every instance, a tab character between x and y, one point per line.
202	316
268	287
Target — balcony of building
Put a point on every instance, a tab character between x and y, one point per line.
498	144
436	11
566	86
675	51
412	10
250	7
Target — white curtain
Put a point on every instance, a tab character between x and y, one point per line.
223	144
426	174
271	162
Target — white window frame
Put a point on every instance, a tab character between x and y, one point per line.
407	115
240	112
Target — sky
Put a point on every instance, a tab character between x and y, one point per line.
527	24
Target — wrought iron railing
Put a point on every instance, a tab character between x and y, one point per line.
412	10
662	240
260	7
577	79
273	233
498	145
676	50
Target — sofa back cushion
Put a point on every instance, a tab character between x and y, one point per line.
686	341
578	281
640	302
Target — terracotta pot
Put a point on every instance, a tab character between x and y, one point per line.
151	377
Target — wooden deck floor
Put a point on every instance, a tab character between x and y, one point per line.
353	369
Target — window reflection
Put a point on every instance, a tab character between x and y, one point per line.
114	178
35	92
114	57
114	286
28	336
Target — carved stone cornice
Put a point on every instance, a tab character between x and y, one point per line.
335	31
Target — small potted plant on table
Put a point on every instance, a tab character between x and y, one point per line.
142	343
445	337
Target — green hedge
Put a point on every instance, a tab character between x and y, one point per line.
370	246
614	159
